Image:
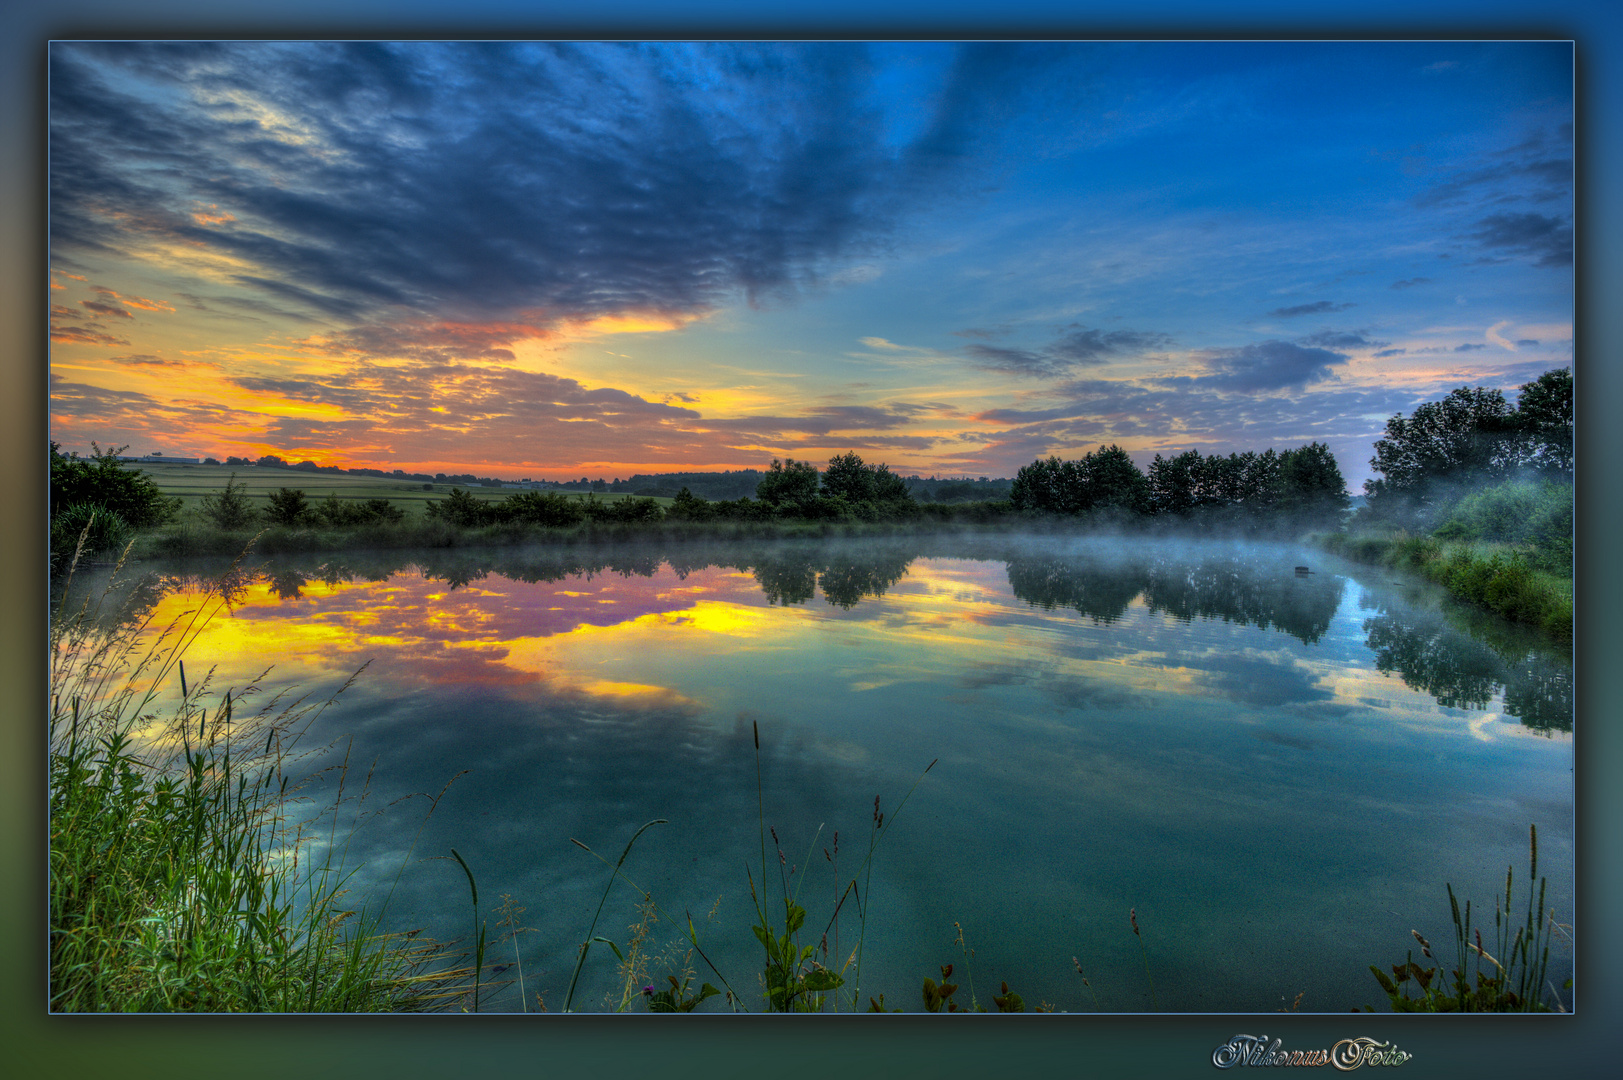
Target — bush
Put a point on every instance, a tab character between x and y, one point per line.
288	507
231	508
102	480
345	514
101	529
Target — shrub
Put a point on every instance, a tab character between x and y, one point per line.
231	508
339	513
102	480
288	507
100	528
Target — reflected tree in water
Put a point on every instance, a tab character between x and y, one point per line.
847	581
1464	672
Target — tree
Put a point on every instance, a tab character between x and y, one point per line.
1112	481
788	483
1174	483
231	508
849	479
460	508
1543	419
288	507
1313	493
1105	479
1426	459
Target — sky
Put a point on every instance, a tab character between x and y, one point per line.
557	260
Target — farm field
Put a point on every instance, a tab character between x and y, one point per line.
192	482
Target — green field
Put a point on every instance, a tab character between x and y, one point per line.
192	482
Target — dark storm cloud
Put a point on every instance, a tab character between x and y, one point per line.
1547	238
1320	307
1079	346
472	180
1270	365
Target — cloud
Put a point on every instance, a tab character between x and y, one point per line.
1527	342
99	308
1470	346
1342	339
1547	238
1409	283
891	346
544	181
1320	307
82	336
1078	347
1270	365
1390	352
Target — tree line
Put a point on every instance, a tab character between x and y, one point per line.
1295	489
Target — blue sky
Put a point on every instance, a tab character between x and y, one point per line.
567	259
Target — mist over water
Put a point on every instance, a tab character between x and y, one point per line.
1278	771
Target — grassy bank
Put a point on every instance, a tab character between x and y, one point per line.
187	872
1497	577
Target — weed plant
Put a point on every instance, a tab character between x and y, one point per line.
186	871
1512	978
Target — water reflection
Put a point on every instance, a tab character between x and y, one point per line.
1416	642
1233	587
1192	731
1422	648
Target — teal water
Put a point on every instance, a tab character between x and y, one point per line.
1277	773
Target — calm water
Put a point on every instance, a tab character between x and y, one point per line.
1279	773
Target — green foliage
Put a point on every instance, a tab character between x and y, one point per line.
1471	437
540	508
231	508
1103	480
1532	514
288	506
849	479
1509	979
171	887
461	509
794	980
677	998
102	480
97	528
352	513
788	484
1544	421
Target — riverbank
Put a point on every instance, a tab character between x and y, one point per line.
1498	577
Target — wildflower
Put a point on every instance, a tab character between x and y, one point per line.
1425	946
648	991
1132	917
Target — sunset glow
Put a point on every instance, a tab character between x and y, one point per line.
558	259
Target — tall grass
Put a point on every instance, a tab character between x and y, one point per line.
187	870
1512	978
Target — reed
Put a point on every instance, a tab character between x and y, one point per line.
185	874
1512	978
